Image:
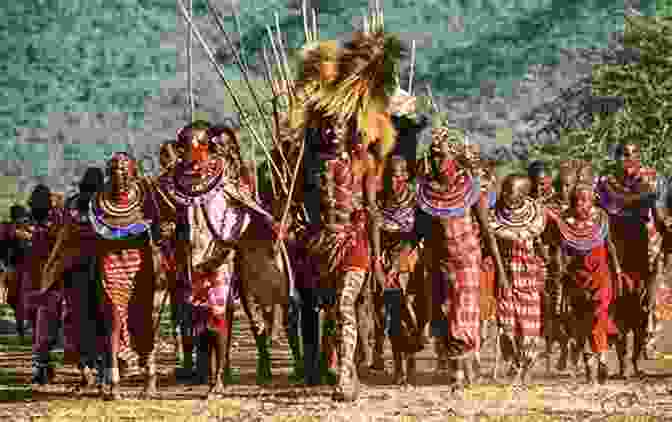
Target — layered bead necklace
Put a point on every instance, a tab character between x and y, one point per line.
523	223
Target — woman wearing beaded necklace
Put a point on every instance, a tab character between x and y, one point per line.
122	216
450	203
224	249
518	222
582	249
399	245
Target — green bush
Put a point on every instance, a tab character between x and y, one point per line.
647	90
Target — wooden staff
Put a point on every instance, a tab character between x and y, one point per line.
435	106
316	34
243	68
412	72
276	94
365	22
276	55
236	101
239	61
304	14
236	17
190	92
283	55
291	189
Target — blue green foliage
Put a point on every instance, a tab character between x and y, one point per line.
105	55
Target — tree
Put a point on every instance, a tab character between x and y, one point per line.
646	118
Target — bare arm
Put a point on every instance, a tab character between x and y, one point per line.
481	213
370	192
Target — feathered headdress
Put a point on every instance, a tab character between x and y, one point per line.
352	81
317	67
366	80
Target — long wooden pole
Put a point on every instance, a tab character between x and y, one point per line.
275	90
304	14
190	89
412	72
243	68
291	188
236	101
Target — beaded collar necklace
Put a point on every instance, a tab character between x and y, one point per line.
583	238
454	202
523	223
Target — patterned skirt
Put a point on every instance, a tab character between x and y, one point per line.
456	275
520	307
128	288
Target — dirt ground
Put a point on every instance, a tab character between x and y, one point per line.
555	398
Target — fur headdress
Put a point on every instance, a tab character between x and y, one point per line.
355	81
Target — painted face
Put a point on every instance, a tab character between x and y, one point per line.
196	154
583	204
121	172
567	182
399	175
335	131
631	160
514	192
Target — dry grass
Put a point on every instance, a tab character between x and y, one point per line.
140	410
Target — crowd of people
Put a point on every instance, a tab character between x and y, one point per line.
384	244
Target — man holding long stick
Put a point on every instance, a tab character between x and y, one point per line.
350	116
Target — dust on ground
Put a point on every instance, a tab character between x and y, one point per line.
559	397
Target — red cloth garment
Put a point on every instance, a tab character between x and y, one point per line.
593	294
119	280
456	252
357	256
488	283
218	324
215	291
520	305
